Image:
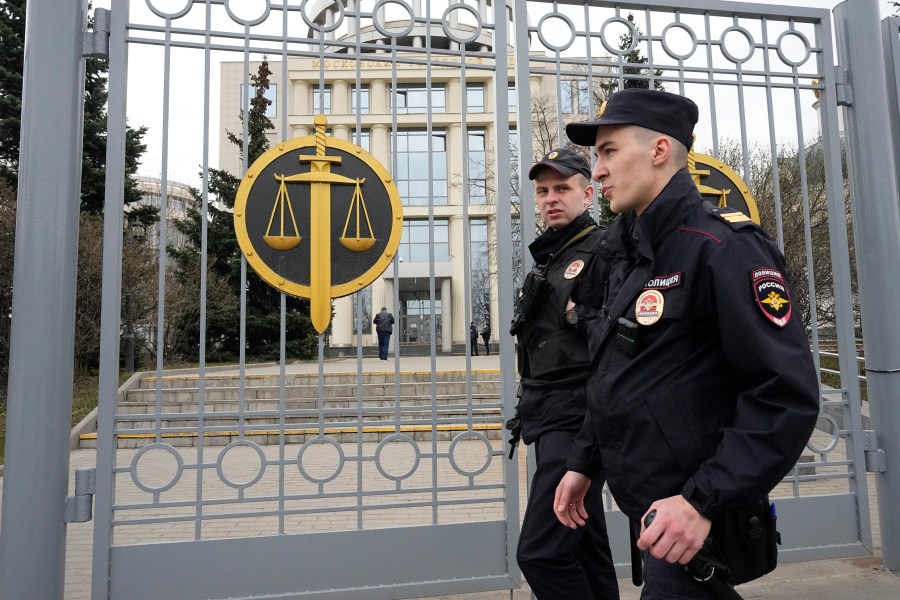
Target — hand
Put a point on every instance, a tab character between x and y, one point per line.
677	531
569	501
570	304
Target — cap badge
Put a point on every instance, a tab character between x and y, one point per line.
649	307
602	109
552	155
573	269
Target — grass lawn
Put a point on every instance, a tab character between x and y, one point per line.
84	399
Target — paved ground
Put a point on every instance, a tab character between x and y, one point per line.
860	579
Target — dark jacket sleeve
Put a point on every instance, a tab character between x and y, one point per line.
585	455
774	376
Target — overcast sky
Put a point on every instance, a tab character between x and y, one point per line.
186	117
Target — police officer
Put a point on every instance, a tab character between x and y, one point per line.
702	389
558	563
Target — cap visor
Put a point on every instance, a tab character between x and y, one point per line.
584	133
564	171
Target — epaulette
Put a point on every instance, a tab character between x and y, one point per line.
733	217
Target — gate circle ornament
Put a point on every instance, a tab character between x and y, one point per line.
397	437
724	46
835	436
779	47
671	27
142	454
320	231
239	485
632	31
564	19
320	440
381	25
445	23
165	11
245	6
454	447
338	5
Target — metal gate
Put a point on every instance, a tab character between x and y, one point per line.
411	495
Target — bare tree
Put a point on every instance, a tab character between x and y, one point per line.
790	164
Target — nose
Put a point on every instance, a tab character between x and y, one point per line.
599	172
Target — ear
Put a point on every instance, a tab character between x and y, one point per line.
588	194
662	150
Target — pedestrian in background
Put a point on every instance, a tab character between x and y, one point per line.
486	337
384	326
473	338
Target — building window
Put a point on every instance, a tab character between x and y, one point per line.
512	96
514	162
413	167
361	139
359	99
321	100
416	242
475	97
366	297
481	277
270	94
575	96
477	167
414	98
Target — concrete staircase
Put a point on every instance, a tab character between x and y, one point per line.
345	409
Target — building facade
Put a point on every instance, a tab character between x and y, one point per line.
434	130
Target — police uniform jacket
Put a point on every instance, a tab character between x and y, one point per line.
552	354
714	396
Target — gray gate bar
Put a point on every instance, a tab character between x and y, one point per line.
33	539
876	220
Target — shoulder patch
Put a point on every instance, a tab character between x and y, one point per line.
735	218
771	294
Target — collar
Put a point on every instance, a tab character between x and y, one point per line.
549	242
668	210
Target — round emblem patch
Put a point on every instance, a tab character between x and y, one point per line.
573	269
649	307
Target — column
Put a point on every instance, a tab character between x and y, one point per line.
459	302
446	316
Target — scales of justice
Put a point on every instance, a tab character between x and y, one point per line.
282	233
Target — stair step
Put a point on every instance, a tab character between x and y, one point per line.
420	433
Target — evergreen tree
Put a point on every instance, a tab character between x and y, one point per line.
636	76
93	169
12	40
224	260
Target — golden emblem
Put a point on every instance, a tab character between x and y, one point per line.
774	300
269	232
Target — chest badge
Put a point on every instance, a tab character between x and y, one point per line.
573	269
649	307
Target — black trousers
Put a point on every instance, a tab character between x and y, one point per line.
668	581
561	563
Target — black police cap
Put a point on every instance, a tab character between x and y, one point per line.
666	113
565	162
